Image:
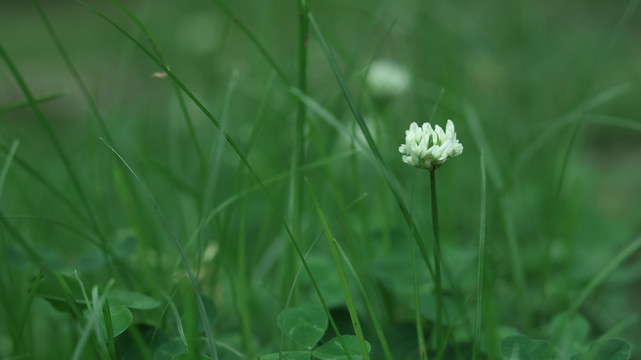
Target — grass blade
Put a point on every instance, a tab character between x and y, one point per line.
368	304
25	104
192	280
54	139
254	40
608	269
7	163
481	273
343	279
372	145
234	146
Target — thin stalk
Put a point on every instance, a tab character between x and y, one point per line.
417	303
479	281
389	178
296	180
299	137
243	285
437	260
111	344
27	309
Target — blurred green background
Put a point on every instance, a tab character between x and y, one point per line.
549	90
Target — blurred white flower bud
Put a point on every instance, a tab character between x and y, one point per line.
386	79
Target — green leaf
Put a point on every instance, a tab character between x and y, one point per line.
305	325
568	333
524	348
613	349
287	355
170	349
121	318
134	300
332	350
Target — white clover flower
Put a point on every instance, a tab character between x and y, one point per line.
386	79
429	148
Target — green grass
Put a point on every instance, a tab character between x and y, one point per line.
190	228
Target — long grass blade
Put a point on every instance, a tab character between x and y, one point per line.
368	304
61	152
192	279
341	276
608	269
25	104
72	69
181	102
45	183
254	40
481	268
231	142
372	145
7	164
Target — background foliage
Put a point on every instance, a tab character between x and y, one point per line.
547	90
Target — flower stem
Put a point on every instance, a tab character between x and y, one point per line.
437	261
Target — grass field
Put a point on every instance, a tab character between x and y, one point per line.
222	180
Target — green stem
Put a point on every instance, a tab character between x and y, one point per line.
419	326
437	260
482	232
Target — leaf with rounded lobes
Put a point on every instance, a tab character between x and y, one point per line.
287	355
568	333
170	349
333	350
613	349
524	348
305	325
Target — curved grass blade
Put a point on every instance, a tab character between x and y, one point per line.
181	101
72	69
608	269
54	139
25	104
254	40
194	285
372	145
481	273
7	163
231	142
358	330
45	183
368	303
291	291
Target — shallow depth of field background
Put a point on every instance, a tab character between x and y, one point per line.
549	89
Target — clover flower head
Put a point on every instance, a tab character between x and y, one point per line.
428	148
387	79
